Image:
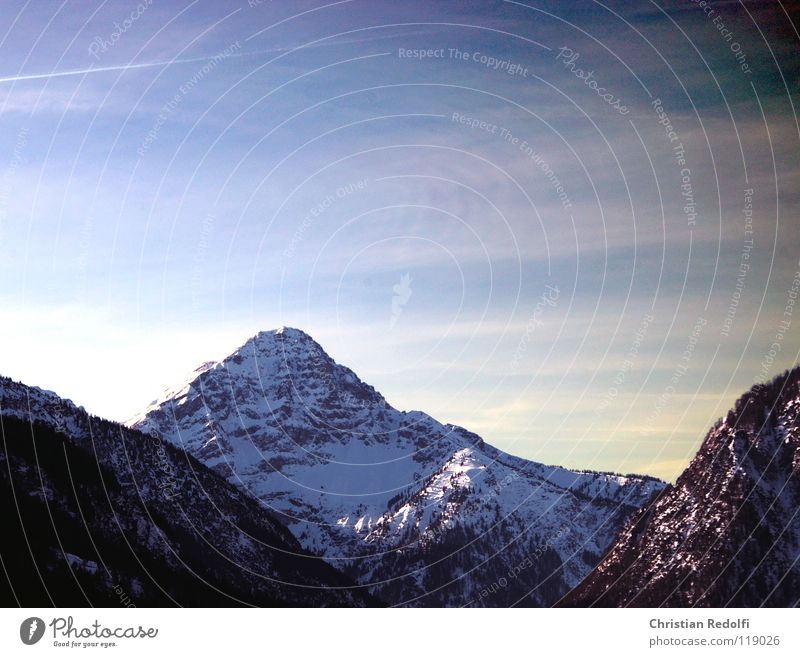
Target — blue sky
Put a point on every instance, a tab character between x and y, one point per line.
176	176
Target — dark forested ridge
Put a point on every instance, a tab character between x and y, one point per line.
99	514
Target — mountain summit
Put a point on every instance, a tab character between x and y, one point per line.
422	512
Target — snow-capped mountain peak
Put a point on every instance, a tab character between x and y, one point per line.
357	479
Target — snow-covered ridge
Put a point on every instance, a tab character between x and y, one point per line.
357	480
31	403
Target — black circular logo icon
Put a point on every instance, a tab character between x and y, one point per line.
31	630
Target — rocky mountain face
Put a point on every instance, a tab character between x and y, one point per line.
99	514
728	532
422	513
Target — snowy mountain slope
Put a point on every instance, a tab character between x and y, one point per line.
728	532
96	513
425	513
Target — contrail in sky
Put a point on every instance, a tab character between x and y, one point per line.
103	69
191	60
